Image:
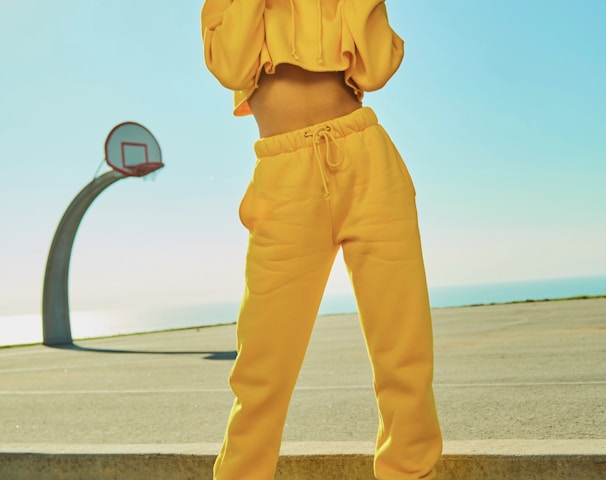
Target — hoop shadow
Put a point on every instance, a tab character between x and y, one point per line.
216	355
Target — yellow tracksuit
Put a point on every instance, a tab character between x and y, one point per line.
244	37
339	184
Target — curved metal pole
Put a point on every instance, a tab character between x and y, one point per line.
56	327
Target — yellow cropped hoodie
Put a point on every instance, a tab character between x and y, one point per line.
243	37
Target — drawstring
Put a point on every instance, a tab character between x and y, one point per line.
320	52
293	46
324	133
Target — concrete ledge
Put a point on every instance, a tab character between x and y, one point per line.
465	460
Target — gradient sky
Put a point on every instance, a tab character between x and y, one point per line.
499	110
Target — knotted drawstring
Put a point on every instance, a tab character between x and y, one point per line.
324	134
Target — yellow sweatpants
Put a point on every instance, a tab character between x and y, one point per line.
340	184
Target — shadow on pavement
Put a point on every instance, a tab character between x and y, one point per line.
225	355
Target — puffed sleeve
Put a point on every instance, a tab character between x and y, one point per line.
233	35
378	49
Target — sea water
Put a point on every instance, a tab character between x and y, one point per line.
25	329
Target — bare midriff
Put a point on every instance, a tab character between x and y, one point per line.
293	98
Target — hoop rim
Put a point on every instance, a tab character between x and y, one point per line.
139	170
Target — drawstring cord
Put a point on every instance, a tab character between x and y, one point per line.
320	33
293	46
319	135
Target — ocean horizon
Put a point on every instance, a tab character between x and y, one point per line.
27	328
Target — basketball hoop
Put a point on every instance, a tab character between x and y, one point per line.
132	150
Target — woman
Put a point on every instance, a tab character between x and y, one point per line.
327	177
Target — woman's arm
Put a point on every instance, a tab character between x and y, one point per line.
233	35
379	50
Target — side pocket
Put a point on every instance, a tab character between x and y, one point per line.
246	208
406	174
394	154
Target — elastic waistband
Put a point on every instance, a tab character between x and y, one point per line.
353	122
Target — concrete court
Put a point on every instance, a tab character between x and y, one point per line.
521	393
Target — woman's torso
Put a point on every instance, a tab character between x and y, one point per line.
293	98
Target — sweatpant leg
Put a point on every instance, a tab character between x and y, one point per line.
382	250
289	258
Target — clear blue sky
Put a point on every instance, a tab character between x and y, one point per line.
499	110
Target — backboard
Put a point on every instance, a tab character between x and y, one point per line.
132	150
